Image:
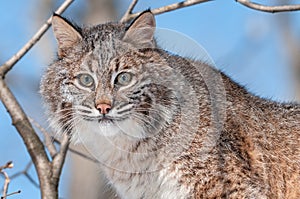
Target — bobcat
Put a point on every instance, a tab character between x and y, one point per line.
164	126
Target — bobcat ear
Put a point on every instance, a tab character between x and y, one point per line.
141	31
65	33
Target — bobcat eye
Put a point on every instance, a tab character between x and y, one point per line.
86	80
123	79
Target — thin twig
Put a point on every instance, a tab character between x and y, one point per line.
6	184
26	174
48	139
8	165
10	194
23	171
58	160
164	9
271	9
14	59
129	10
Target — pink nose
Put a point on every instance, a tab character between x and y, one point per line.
103	108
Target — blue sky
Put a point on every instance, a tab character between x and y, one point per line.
244	43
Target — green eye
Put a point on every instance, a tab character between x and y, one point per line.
86	80
123	79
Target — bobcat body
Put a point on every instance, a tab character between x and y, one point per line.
164	126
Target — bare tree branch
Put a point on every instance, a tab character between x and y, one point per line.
14	59
6	184
59	159
129	10
8	165
271	9
33	144
128	15
49	142
48	139
26	174
10	194
45	169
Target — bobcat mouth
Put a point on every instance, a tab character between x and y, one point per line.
105	120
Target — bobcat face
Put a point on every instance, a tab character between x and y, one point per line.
117	98
111	86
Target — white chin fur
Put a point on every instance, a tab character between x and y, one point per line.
108	142
85	130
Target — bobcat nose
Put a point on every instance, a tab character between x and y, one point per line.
103	108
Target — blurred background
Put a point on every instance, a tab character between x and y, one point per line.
258	50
